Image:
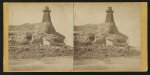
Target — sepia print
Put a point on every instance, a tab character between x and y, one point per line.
104	40
45	45
52	37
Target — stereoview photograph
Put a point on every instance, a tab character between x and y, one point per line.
107	37
75	37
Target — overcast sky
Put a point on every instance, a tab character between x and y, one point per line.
126	16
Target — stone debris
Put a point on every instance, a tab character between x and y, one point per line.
101	40
37	40
103	51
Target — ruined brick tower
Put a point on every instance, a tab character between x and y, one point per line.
52	37
109	16
110	20
47	18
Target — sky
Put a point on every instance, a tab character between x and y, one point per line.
126	16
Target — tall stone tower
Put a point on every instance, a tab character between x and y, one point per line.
47	18
110	20
109	16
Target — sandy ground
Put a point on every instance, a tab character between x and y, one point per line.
42	64
111	64
66	64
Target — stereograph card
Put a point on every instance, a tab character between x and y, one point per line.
75	37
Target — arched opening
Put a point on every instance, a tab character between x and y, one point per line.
29	37
92	37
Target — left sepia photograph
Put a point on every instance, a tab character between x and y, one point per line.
40	37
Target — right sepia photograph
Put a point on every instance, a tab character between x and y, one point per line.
107	36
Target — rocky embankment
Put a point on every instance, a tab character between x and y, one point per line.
33	51
102	51
101	41
36	41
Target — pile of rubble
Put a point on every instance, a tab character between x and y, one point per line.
99	41
103	51
35	51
